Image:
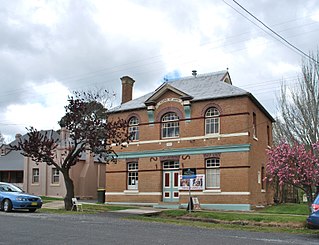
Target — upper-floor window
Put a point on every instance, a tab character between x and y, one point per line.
268	135
170	125
254	125
212	121
55	176
133	128
35	175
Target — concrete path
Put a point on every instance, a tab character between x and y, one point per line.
141	210
54	205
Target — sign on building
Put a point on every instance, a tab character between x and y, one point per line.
192	182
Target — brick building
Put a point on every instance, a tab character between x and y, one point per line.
198	135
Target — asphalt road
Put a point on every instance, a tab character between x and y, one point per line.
38	228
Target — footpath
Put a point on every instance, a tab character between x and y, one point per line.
142	210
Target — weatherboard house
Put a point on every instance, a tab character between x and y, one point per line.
198	136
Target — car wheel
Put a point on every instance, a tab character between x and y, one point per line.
7	205
32	210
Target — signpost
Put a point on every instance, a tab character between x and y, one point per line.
192	181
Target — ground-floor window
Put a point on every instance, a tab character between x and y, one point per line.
213	173
55	176
35	175
11	176
132	176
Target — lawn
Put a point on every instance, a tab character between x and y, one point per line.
287	208
280	218
236	216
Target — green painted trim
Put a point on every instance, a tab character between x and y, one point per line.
186	151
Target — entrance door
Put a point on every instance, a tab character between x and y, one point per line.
170	186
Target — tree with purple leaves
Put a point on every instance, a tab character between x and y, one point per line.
88	129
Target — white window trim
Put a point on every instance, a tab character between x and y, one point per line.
135	170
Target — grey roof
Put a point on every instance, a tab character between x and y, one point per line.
50	133
13	160
201	87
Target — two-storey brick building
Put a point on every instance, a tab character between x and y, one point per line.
199	134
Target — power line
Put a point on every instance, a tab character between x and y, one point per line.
272	31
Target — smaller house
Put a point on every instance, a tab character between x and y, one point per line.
11	164
41	179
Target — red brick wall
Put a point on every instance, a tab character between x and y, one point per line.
239	170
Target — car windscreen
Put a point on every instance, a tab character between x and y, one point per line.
9	188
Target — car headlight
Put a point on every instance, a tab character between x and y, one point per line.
21	199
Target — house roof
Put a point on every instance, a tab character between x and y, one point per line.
214	85
13	160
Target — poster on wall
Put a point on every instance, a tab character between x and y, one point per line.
192	182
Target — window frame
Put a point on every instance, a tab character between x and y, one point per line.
170	165
211	121
133	128
132	175
212	172
268	136
170	125
255	136
55	174
35	175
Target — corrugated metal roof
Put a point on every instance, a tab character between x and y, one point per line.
201	87
13	160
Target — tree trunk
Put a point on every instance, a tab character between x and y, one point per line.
69	190
309	197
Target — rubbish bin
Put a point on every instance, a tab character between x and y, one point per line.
101	195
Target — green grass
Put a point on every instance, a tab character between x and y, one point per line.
288	208
288	218
50	199
236	216
208	225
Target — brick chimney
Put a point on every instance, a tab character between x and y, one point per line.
127	88
18	136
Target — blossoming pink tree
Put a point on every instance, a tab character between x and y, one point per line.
294	165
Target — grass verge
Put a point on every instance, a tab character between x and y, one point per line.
289	218
208	225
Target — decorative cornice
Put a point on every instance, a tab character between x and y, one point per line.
185	151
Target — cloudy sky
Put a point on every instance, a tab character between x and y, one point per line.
49	48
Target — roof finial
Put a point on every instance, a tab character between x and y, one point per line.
194	73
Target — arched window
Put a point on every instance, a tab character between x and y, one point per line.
133	128
212	121
170	125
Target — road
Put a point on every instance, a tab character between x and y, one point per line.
112	228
